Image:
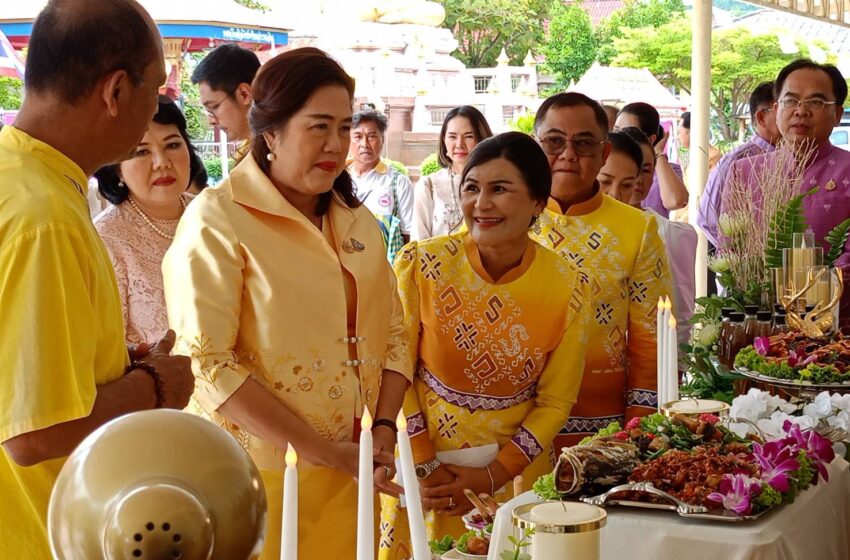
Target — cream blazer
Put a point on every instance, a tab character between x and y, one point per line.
254	289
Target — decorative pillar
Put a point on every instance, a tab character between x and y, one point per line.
700	108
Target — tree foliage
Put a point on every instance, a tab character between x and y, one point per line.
635	14
197	123
483	27
570	46
740	61
11	93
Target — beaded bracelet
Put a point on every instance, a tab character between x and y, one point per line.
157	380
386	422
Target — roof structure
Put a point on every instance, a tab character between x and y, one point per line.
201	22
831	11
599	10
611	85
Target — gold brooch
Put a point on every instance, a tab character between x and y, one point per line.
830	185
353	246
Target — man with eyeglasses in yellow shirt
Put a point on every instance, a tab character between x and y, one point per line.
92	76
620	249
809	104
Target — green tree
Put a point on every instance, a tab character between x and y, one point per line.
635	14
11	93
483	27
570	46
739	62
196	119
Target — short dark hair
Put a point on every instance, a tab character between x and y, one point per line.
686	120
227	66
622	142
572	99
370	115
649	121
480	128
71	49
524	153
109	181
200	178
637	135
839	86
283	86
761	96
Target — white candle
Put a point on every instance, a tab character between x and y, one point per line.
365	492
659	354
289	517
673	363
415	518
562	546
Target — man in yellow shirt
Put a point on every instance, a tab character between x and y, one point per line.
92	75
621	250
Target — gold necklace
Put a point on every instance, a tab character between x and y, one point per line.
149	222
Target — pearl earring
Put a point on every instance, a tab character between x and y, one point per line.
270	156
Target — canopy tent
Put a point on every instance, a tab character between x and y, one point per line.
10	64
201	24
619	86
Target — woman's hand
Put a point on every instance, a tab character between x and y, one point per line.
448	499
383	439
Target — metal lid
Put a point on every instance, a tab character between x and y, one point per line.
751	309
566	517
764	315
695	406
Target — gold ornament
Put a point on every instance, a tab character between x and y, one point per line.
819	320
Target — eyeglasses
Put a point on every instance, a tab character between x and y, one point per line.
813	103
555	145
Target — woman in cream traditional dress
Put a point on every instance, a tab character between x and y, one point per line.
497	325
278	287
436	206
148	196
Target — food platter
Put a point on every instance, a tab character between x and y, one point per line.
795	388
672	503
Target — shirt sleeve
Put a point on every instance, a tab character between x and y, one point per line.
121	277
408	289
423	209
48	354
404	199
398	345
650	280
557	387
709	204
202	276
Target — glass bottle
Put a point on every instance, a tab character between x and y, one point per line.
779	324
750	322
764	324
735	339
725	313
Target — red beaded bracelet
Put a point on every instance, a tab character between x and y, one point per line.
157	380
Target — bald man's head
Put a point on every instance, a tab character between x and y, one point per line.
76	43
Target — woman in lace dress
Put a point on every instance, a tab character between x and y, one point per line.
436	207
148	195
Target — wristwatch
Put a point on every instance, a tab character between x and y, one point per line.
424	470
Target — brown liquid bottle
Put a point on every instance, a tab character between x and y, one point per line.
725	313
736	339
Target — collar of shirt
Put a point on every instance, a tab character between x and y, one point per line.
763	144
17	140
581	208
382	167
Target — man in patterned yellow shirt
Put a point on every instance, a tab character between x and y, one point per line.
620	248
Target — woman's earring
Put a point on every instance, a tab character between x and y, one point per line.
121	184
535	227
270	156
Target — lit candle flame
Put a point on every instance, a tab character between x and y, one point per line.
671	322
660	303
401	422
366	420
668	305
291	456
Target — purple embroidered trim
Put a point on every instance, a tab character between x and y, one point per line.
415	424
579	425
527	443
641	397
471	401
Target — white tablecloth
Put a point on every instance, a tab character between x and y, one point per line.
815	527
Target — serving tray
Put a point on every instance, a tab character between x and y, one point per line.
673	504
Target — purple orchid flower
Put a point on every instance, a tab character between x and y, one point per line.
818	449
762	345
776	460
736	493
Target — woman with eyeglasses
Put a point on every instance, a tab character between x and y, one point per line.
148	193
436	206
498	358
